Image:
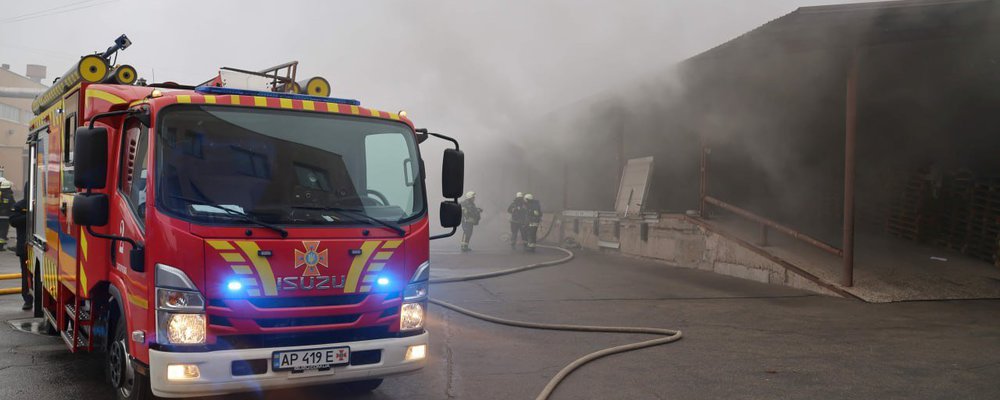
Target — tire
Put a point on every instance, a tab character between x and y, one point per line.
37	292
126	382
361	387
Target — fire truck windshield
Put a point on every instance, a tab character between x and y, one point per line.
285	167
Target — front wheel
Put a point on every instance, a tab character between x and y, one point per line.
128	384
360	387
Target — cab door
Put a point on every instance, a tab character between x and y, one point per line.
128	214
38	239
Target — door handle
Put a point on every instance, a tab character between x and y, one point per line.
62	208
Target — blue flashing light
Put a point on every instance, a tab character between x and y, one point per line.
382	281
245	92
234	285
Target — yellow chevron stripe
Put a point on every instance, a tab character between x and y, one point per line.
83	280
383	255
358	265
375	267
83	244
242	269
232	257
392	244
220	245
262	266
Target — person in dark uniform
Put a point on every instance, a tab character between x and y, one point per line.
19	219
470	218
518	217
6	205
534	218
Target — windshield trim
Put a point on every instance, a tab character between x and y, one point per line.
155	133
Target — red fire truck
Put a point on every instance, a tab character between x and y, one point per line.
244	234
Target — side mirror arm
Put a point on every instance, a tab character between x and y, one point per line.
137	255
445	235
423	134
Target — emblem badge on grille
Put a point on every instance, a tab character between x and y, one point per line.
311	258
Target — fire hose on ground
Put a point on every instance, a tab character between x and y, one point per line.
669	335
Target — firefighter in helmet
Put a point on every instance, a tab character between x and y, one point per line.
6	205
18	219
470	218
534	218
518	211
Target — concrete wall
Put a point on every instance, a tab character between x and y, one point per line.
678	241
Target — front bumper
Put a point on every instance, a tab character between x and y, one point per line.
217	374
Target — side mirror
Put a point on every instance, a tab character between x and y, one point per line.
452	175
451	214
137	259
90	162
90	209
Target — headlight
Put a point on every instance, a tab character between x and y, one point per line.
411	316
186	328
180	308
179	300
415	291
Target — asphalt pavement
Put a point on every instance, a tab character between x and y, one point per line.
742	339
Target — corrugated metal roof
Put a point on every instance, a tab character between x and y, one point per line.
863	24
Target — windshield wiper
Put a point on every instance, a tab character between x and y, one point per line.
357	215
242	215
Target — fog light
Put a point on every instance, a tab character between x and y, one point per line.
183	372
186	328
417	352
411	317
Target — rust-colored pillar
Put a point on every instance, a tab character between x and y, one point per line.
703	182
565	186
850	141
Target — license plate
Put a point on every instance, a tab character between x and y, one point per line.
310	359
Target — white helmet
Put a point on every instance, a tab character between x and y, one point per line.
5	184
529	196
471	195
519	195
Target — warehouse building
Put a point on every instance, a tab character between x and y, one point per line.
853	146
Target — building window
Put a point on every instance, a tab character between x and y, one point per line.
14	114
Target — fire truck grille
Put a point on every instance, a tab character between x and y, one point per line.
233	342
316	301
307	321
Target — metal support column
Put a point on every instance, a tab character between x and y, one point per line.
850	142
703	183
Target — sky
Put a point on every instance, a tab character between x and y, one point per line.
463	67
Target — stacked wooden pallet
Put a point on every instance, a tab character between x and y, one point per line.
954	213
984	220
905	209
